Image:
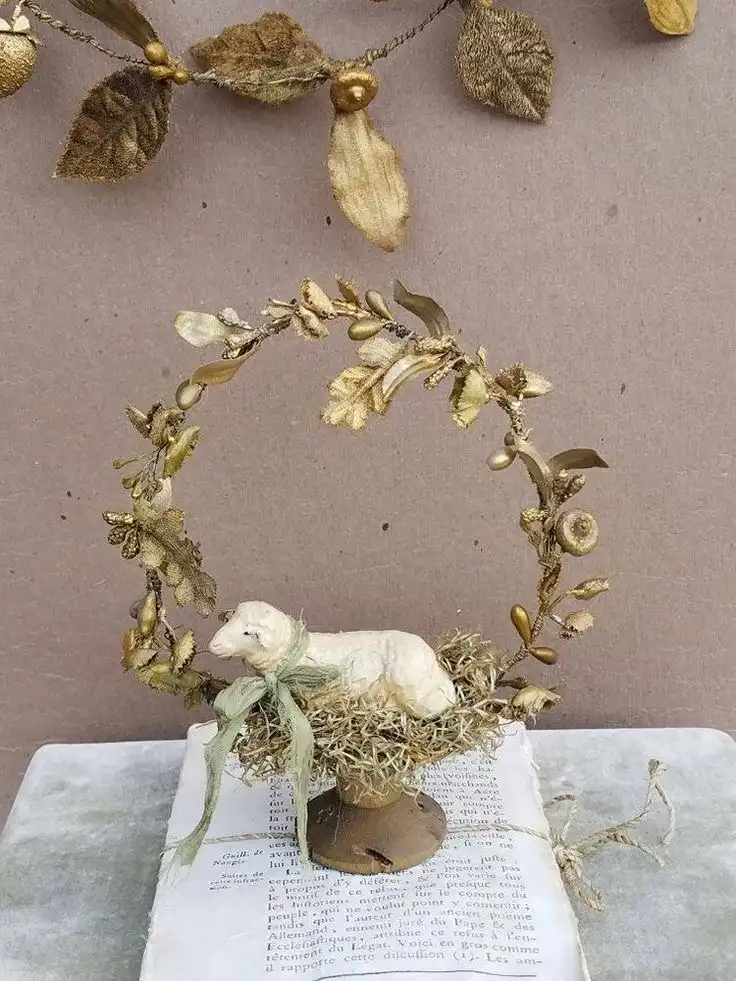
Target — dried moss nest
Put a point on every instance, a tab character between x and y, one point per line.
372	745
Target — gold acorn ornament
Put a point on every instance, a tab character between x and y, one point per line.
17	53
365	171
576	532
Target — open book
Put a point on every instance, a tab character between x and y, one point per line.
488	905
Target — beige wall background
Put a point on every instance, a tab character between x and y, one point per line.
598	249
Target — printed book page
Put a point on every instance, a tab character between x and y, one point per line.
488	905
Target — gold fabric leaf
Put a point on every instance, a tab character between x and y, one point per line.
129	641
405	369
536	385
158	676
512	379
533	699
315	298
350	400
183	652
537	468
120	128
367	180
469	394
504	60
164	546
428	310
349	291
673	16
307	324
163	423
201	329
579	621
137	658
219	372
180	449
380	352
121	16
577	459
271	59
152	553
138	419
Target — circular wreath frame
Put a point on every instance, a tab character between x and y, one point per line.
350	735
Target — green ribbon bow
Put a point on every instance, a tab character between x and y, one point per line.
232	706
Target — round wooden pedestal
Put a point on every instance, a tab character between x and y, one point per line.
382	833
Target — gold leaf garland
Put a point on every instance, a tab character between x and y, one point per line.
272	59
120	128
122	17
152	530
367	180
503	59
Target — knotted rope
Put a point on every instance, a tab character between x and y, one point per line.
569	857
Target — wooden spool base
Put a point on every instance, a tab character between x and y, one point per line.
369	840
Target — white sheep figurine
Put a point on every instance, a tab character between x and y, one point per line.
386	667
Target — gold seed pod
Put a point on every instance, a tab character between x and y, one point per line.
577	532
361	330
161	72
181	76
17	61
378	304
520	619
579	621
673	16
188	394
501	458
589	588
156	53
353	90
147	615
544	654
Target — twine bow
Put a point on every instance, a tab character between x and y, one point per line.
570	857
232	706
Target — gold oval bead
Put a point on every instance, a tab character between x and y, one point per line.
544	654
520	619
501	459
353	90
378	304
161	72
361	330
147	615
181	76
156	53
188	394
